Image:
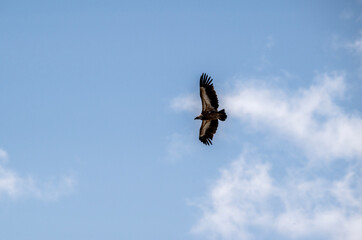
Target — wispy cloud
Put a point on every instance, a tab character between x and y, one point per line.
346	14
246	202
186	103
14	186
3	155
356	45
270	42
309	117
230	208
178	147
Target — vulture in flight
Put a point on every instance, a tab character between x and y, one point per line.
210	116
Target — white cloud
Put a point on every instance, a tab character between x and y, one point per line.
346	14
356	45
232	208
247	200
14	186
178	146
186	103
3	155
270	42
311	118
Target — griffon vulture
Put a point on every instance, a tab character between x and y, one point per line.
209	114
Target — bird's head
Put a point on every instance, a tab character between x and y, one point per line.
199	117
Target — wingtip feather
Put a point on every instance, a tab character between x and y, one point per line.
205	80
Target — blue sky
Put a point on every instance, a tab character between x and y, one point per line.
97	137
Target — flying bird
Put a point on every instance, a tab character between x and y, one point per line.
210	116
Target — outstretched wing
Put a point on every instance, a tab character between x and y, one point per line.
207	130
207	93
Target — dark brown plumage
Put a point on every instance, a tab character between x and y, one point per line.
209	114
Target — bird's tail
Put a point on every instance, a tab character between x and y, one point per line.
222	115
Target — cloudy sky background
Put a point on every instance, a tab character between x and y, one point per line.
97	137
